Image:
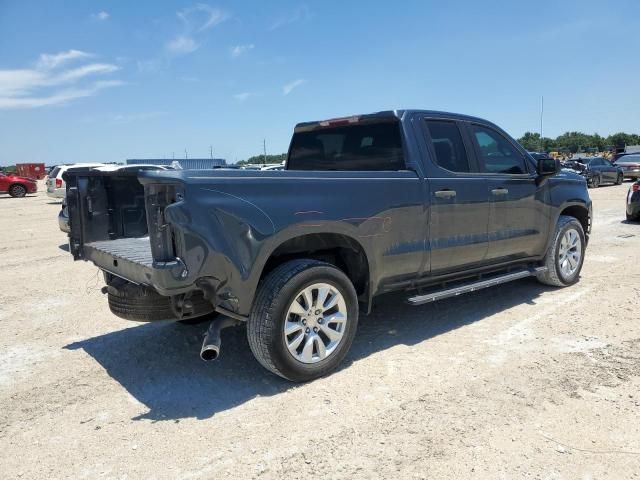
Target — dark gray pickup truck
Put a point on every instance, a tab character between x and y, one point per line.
432	203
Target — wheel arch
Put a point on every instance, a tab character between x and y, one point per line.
13	184
581	213
343	251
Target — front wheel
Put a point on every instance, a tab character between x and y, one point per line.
17	191
595	181
303	320
566	254
620	179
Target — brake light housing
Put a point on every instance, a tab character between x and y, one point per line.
635	187
58	183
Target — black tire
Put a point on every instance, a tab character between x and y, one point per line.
142	304
631	218
595	182
620	179
554	275
276	292
17	191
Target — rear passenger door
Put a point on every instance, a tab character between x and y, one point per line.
459	210
519	206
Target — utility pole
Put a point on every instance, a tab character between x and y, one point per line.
541	118
264	149
185	154
211	151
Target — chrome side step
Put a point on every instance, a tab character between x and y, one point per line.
473	286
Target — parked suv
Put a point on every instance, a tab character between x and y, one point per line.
391	201
56	187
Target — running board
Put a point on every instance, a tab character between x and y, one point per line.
473	286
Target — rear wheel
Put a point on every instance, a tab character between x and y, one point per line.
566	254
303	320
17	191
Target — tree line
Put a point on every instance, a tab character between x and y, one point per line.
577	142
262	159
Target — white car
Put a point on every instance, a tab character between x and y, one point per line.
277	166
56	187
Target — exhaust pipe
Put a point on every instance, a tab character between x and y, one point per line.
211	345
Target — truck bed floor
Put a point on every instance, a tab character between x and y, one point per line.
137	250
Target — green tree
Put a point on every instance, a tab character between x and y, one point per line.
530	141
261	159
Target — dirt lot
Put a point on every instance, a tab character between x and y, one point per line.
515	382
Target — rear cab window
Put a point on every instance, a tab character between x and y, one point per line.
448	146
367	146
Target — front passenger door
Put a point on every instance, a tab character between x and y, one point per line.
519	214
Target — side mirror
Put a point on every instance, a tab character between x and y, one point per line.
548	166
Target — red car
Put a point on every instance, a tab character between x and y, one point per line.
17	186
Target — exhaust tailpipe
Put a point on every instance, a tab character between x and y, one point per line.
211	345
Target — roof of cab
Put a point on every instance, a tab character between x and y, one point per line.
382	115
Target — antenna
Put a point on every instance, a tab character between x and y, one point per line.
541	119
211	151
185	154
264	149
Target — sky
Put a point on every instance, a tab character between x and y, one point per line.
102	81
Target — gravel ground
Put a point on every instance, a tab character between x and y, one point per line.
517	381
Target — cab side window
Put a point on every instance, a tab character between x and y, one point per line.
448	146
496	153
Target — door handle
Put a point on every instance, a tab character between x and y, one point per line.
500	191
446	193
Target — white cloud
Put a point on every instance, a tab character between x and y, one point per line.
181	44
201	17
101	16
299	14
196	19
243	97
49	62
289	87
48	84
240	49
56	98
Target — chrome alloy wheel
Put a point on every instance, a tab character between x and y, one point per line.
315	323
570	253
